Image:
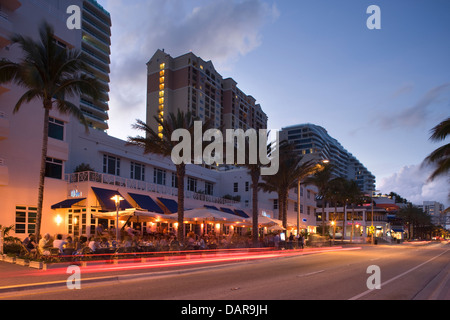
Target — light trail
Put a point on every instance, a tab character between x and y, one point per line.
193	258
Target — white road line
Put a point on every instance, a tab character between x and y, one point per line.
399	276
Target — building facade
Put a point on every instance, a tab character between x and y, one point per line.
315	143
188	83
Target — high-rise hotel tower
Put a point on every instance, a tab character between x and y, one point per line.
189	83
315	143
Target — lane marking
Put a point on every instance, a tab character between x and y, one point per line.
398	276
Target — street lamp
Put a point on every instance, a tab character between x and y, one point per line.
117	198
372	228
333	223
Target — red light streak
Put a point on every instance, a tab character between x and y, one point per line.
188	258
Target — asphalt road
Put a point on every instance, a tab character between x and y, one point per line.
405	272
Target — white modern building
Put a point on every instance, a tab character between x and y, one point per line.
314	142
73	200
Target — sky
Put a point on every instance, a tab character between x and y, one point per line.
379	92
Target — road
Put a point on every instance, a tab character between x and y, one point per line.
406	272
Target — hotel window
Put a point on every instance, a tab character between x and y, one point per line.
53	168
247	185
235	187
159	176
25	219
137	171
111	165
209	188
192	184
55	129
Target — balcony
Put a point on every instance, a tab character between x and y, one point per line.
4	126
91	176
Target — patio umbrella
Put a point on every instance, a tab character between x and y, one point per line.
134	215
212	215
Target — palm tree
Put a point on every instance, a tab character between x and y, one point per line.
49	74
255	173
153	142
321	179
291	168
334	193
354	196
440	156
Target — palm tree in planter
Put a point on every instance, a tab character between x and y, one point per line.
50	74
161	143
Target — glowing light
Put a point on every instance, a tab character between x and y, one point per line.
58	219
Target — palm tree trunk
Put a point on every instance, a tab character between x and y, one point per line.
323	217
181	171
284	199
255	229
40	202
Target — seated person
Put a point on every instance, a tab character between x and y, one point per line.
59	243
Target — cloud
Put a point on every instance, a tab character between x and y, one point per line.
221	31
411	182
417	113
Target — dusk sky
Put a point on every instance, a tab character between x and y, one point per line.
378	92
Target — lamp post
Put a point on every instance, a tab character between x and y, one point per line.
372	228
117	200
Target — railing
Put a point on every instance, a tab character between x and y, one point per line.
91	176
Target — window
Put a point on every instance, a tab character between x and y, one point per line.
137	171
209	188
111	165
235	187
247	185
174	180
25	219
53	168
55	129
192	184
159	176
275	204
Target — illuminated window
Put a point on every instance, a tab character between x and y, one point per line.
161	107
162	66
160	129
161	100
161	86
161	93
161	80
161	73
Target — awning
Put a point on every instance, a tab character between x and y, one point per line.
104	198
68	203
210	207
241	213
170	204
146	202
228	210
